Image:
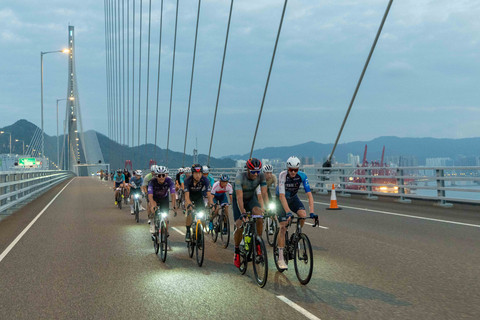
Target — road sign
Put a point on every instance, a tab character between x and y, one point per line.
27	161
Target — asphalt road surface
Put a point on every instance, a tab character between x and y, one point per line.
86	259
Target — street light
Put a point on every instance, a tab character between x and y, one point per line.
2	132
23	145
41	85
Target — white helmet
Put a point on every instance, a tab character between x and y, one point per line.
188	170
267	168
293	162
205	169
160	170
138	172
181	170
153	167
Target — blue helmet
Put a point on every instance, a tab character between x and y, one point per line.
224	177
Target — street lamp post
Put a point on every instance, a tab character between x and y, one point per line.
23	145
41	87
2	132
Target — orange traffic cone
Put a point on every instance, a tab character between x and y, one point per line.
333	200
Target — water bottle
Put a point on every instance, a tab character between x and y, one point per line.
248	239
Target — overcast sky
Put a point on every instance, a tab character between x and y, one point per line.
423	79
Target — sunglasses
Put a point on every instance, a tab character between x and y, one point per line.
293	170
255	171
161	175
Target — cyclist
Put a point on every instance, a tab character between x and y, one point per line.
177	178
187	172
196	186
245	199
206	174
158	189
118	181
136	183
219	195
289	182
271	182
146	181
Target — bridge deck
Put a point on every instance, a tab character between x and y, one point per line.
84	258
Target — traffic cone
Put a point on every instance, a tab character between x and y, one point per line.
333	200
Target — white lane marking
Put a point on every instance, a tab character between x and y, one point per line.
406	215
10	247
298	308
182	233
311	224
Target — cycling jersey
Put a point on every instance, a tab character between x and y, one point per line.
217	189
289	186
138	182
177	177
147	179
248	186
210	179
202	186
160	190
119	178
183	177
127	176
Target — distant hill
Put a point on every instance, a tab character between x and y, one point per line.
421	148
113	153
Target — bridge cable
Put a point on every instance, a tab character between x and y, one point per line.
115	72
140	70
148	73
220	81
191	83
268	77
106	68
171	84
133	77
158	78
123	76
119	75
110	65
328	162
128	73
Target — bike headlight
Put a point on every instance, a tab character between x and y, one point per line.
200	214
136	196
271	206
164	215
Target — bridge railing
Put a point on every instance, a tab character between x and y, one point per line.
17	187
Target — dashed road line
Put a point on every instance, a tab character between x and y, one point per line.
298	308
182	233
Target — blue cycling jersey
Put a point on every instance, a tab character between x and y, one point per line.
289	186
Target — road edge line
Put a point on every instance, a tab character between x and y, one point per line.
178	231
14	242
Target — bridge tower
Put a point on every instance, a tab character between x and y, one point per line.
82	149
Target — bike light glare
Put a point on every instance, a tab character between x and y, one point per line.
164	215
271	206
137	196
200	214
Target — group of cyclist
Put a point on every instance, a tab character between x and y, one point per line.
194	187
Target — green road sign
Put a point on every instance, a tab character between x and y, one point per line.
27	161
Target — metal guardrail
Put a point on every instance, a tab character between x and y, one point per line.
439	184
18	186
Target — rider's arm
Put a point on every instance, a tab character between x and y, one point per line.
306	186
260	200
187	198
152	203
172	193
239	194
310	202
264	194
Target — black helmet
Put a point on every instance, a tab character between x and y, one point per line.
254	164
119	171
197	168
224	177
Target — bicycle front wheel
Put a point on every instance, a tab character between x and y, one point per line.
200	247
163	242
225	230
137	211
216	227
260	262
303	257
271	227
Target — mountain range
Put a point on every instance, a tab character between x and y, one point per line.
114	153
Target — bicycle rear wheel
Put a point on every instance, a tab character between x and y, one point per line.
137	211
225	230
260	262
163	242
275	250
119	202
200	248
156	246
303	259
